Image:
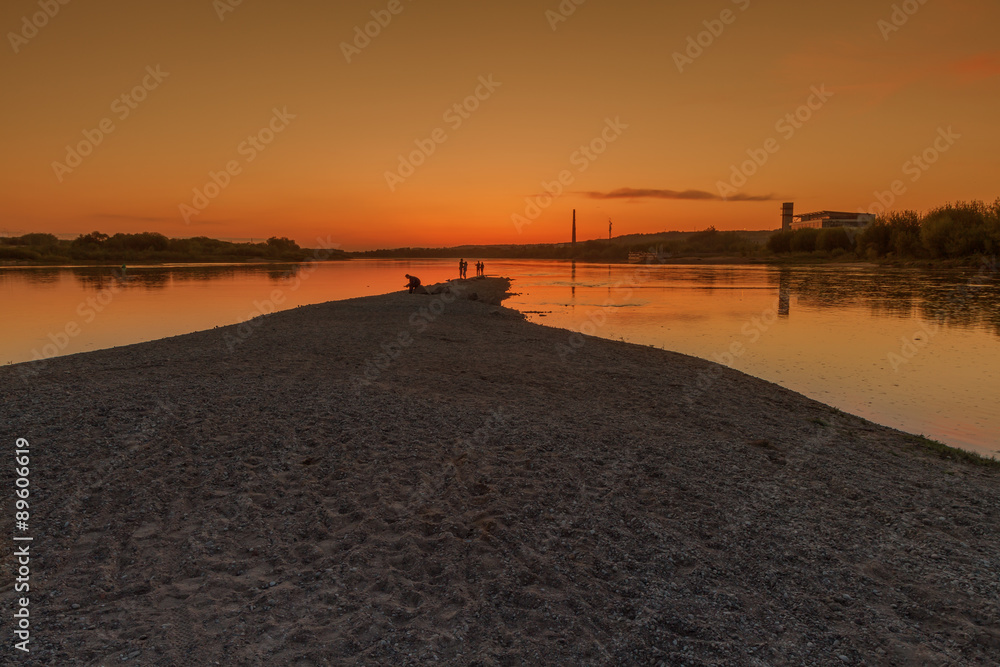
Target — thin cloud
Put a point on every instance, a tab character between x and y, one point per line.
702	195
740	196
977	68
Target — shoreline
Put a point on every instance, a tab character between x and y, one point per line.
959	446
777	262
403	477
170	264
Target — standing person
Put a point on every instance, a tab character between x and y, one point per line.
482	269
413	283
461	268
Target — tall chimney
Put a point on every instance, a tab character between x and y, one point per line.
574	229
786	216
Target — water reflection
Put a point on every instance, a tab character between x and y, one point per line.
784	292
848	336
160	277
960	298
97	279
40	277
836	329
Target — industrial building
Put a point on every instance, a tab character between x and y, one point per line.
822	219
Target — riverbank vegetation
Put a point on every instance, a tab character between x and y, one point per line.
952	232
95	248
664	245
955	234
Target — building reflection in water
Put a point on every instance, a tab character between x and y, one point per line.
572	284
784	292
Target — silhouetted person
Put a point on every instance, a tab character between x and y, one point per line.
461	268
482	269
414	282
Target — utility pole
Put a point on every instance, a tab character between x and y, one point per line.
609	229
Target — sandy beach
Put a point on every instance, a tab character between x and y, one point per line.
407	479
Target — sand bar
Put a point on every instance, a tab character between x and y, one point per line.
405	479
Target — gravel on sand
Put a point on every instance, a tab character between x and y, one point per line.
405	479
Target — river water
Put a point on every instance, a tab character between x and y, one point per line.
916	350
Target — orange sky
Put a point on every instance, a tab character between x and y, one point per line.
557	85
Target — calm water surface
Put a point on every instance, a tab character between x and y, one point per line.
915	350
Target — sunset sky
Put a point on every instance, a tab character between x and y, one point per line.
663	130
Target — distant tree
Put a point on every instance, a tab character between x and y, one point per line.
282	243
18	253
804	240
835	238
875	240
95	239
138	243
36	240
281	247
905	233
993	228
957	230
780	242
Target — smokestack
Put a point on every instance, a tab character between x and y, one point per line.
574	229
786	216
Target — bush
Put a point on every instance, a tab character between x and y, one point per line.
91	240
905	233
993	228
875	240
832	239
15	252
804	240
38	240
780	242
955	231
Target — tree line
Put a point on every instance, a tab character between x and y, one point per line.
145	246
964	229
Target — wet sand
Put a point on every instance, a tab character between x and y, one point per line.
409	478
